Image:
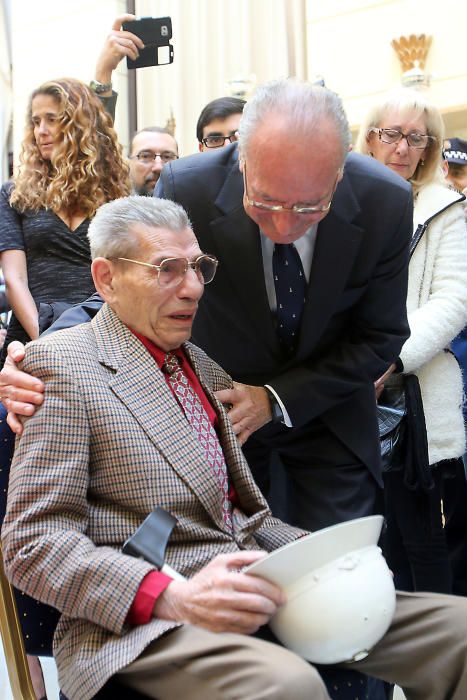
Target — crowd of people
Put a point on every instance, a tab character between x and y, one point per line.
271	299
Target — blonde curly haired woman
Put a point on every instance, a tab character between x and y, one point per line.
70	164
405	132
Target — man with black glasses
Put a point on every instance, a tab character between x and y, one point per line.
218	123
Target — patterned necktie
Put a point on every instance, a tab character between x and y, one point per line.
290	284
201	426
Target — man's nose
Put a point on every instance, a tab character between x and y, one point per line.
285	222
191	286
157	164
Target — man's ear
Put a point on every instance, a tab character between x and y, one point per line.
103	272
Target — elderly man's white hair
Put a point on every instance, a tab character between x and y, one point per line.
111	233
304	106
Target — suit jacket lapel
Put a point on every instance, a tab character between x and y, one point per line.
237	244
141	386
337	244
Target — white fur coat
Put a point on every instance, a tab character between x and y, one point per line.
437	311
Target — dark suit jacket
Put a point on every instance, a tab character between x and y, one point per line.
354	322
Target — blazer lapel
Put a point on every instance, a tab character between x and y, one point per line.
337	244
141	387
237	245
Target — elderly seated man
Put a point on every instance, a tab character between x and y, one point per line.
130	420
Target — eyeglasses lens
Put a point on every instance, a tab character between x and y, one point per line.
172	271
206	268
219	141
414	139
214	141
148	156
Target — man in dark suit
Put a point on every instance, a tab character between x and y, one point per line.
308	392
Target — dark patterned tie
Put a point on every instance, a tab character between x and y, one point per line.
201	426
290	284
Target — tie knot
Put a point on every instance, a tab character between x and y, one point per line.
284	249
171	363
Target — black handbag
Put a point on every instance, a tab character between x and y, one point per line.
402	430
391	412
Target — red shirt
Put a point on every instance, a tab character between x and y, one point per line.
155	582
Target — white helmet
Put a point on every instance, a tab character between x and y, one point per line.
340	592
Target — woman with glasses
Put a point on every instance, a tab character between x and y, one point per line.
405	132
70	164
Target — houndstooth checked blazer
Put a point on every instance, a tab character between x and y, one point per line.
109	444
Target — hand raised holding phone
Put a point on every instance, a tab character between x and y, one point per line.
118	44
155	33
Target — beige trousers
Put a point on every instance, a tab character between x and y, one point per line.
424	651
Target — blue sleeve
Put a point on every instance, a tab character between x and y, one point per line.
79	313
159	190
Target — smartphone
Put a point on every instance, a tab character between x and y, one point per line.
155	32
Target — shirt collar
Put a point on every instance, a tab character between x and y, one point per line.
155	351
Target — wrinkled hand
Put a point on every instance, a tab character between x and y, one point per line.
249	410
379	384
118	44
221	598
19	392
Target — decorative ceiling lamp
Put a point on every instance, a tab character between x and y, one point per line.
412	52
241	86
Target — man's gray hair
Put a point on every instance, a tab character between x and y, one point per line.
305	107
111	232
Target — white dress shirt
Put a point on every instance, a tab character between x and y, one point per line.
305	246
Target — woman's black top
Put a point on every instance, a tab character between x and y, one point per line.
58	259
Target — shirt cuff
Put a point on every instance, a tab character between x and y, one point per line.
287	421
151	587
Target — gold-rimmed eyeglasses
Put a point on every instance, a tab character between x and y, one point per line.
299	208
171	271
